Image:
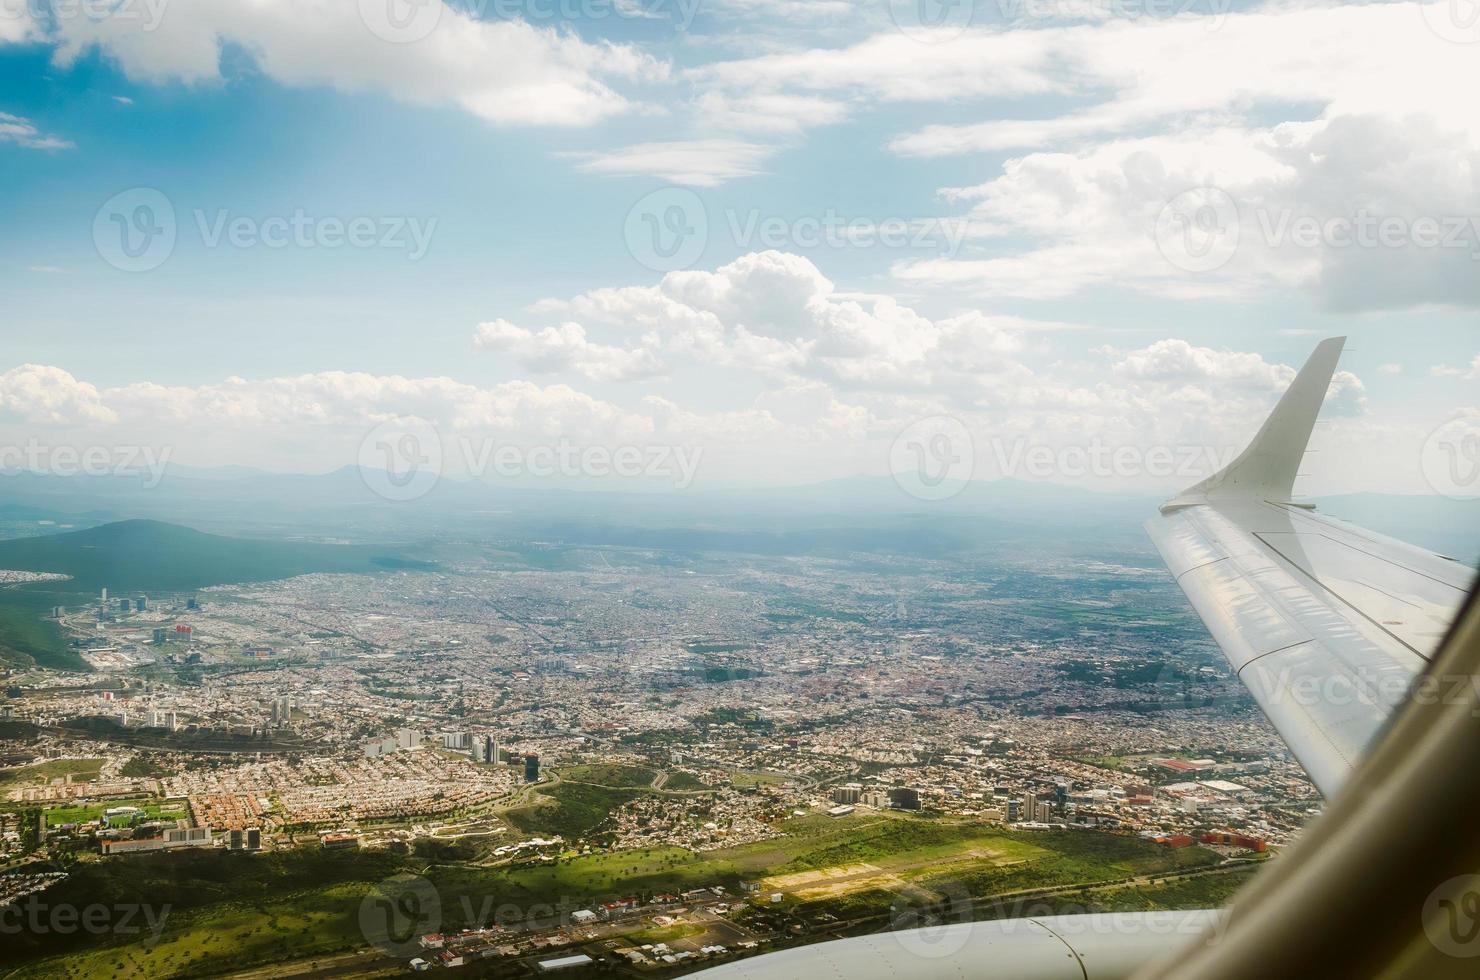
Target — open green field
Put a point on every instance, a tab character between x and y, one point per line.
570	810
619	777
152	808
233	911
80	770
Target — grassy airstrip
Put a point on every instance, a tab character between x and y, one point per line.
233	911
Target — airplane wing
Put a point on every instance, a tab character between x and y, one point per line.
1326	623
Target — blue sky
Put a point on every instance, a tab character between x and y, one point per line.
1040	165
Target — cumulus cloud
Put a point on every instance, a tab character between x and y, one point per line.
40	393
1153	108
776	313
500	70
565	348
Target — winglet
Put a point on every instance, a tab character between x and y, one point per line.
1266	469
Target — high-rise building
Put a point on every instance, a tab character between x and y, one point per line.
531	768
238	840
904	798
254	838
191	603
141	604
123	605
408	738
490	749
477	747
105	595
848	794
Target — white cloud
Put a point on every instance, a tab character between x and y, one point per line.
1091	217
1390	369
696	163
766	113
22	132
1469	372
503	71
565	348
42	394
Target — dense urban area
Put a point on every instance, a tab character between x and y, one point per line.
618	758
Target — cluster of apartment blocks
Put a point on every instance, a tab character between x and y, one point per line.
898	798
480	748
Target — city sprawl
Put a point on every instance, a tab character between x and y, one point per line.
650	758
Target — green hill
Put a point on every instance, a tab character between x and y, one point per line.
136	556
139	557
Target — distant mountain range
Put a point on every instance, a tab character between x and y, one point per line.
341	505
